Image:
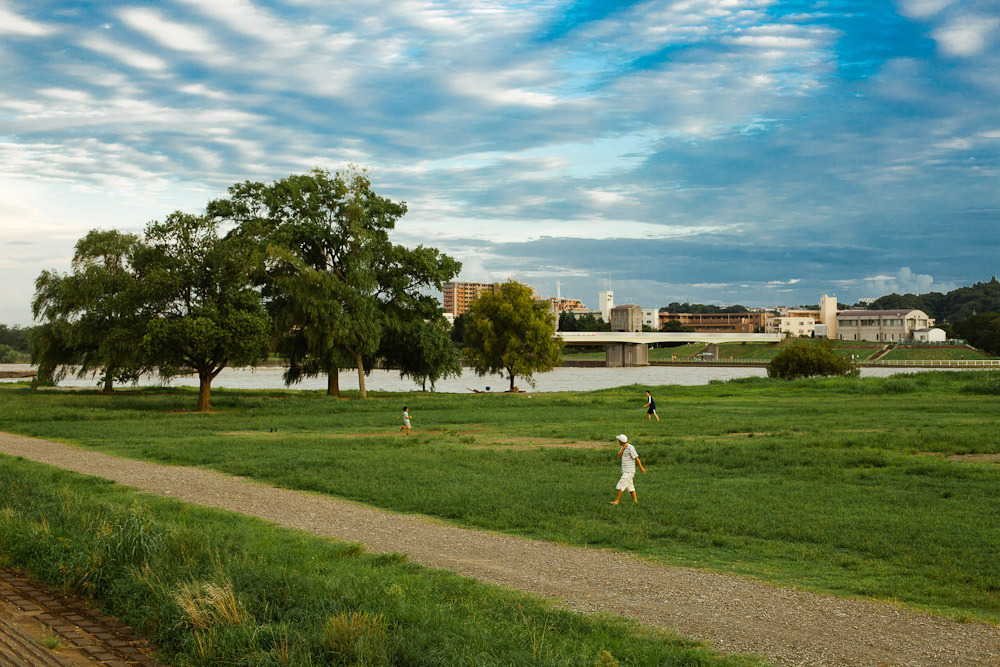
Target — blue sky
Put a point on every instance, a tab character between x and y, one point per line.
719	151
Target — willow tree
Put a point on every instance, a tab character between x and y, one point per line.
92	316
509	332
333	281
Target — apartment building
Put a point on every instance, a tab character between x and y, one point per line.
456	296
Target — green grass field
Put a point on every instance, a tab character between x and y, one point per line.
823	484
212	588
933	352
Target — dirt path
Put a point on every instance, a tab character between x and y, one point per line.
737	616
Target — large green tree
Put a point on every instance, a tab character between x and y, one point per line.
509	332
333	281
92	316
208	315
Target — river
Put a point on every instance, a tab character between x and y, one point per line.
560	379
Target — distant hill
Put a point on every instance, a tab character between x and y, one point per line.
959	304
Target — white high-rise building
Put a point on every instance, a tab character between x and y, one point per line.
828	315
605	302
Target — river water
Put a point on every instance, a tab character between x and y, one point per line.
559	379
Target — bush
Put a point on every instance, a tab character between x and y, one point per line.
8	355
802	360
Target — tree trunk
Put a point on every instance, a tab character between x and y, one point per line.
361	372
204	391
333	383
109	385
511	373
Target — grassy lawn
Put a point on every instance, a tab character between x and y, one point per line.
822	484
213	588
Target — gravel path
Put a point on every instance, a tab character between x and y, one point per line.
735	615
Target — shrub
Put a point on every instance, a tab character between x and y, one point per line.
808	360
8	355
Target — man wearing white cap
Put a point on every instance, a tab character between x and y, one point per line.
629	458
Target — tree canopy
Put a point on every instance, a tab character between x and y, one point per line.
585	322
15	337
207	314
333	281
509	332
982	331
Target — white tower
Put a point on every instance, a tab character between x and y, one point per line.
606	301
828	315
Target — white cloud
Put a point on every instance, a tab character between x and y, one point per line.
904	282
919	9
15	24
65	94
131	57
966	36
173	35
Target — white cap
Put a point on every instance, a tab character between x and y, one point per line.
623	438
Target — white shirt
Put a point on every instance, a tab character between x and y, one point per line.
628	458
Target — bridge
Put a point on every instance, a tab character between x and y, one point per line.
628	348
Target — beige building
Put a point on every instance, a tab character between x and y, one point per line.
803	322
795	324
719	322
881	325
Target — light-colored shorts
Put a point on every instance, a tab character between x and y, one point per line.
406	423
625	483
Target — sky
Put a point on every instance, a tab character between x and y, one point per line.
714	151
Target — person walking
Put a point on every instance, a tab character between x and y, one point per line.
406	420
629	458
651	404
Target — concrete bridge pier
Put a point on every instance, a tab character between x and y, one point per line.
617	355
